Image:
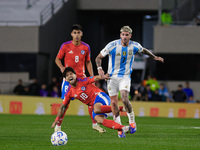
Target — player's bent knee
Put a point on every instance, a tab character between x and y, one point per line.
97	108
97	111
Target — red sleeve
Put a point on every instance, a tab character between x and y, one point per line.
91	79
61	52
66	100
87	80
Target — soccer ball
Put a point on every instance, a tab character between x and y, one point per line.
59	138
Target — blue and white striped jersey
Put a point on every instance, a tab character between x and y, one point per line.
121	58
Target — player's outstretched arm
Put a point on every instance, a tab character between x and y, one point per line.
105	77
98	61
61	112
147	52
159	59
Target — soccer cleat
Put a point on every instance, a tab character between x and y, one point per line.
126	129
121	134
57	128
98	128
133	128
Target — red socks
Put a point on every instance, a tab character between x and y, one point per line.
112	124
90	109
107	109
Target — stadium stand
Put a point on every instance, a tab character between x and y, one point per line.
27	12
24	32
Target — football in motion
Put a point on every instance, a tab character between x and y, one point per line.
59	138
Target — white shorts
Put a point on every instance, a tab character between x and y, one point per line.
116	84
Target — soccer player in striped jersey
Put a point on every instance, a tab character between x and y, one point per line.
76	54
83	90
121	56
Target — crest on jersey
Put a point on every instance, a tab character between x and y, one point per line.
124	53
118	54
82	52
83	88
130	53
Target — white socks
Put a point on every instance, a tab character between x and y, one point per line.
131	117
117	119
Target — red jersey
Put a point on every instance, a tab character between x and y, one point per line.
85	91
75	56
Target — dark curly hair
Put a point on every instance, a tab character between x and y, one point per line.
67	70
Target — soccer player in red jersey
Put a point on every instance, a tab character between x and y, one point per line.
83	90
76	54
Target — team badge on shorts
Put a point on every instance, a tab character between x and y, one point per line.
82	52
83	88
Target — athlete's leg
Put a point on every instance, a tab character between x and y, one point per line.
129	109
115	109
128	106
107	109
95	126
125	100
124	87
108	123
100	118
90	112
113	91
101	106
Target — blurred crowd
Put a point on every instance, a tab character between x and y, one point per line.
37	89
148	90
151	90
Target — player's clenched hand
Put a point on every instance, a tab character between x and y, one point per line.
54	123
159	59
101	73
106	76
62	69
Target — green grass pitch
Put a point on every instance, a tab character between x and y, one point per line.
33	132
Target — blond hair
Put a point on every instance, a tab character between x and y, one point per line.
126	29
